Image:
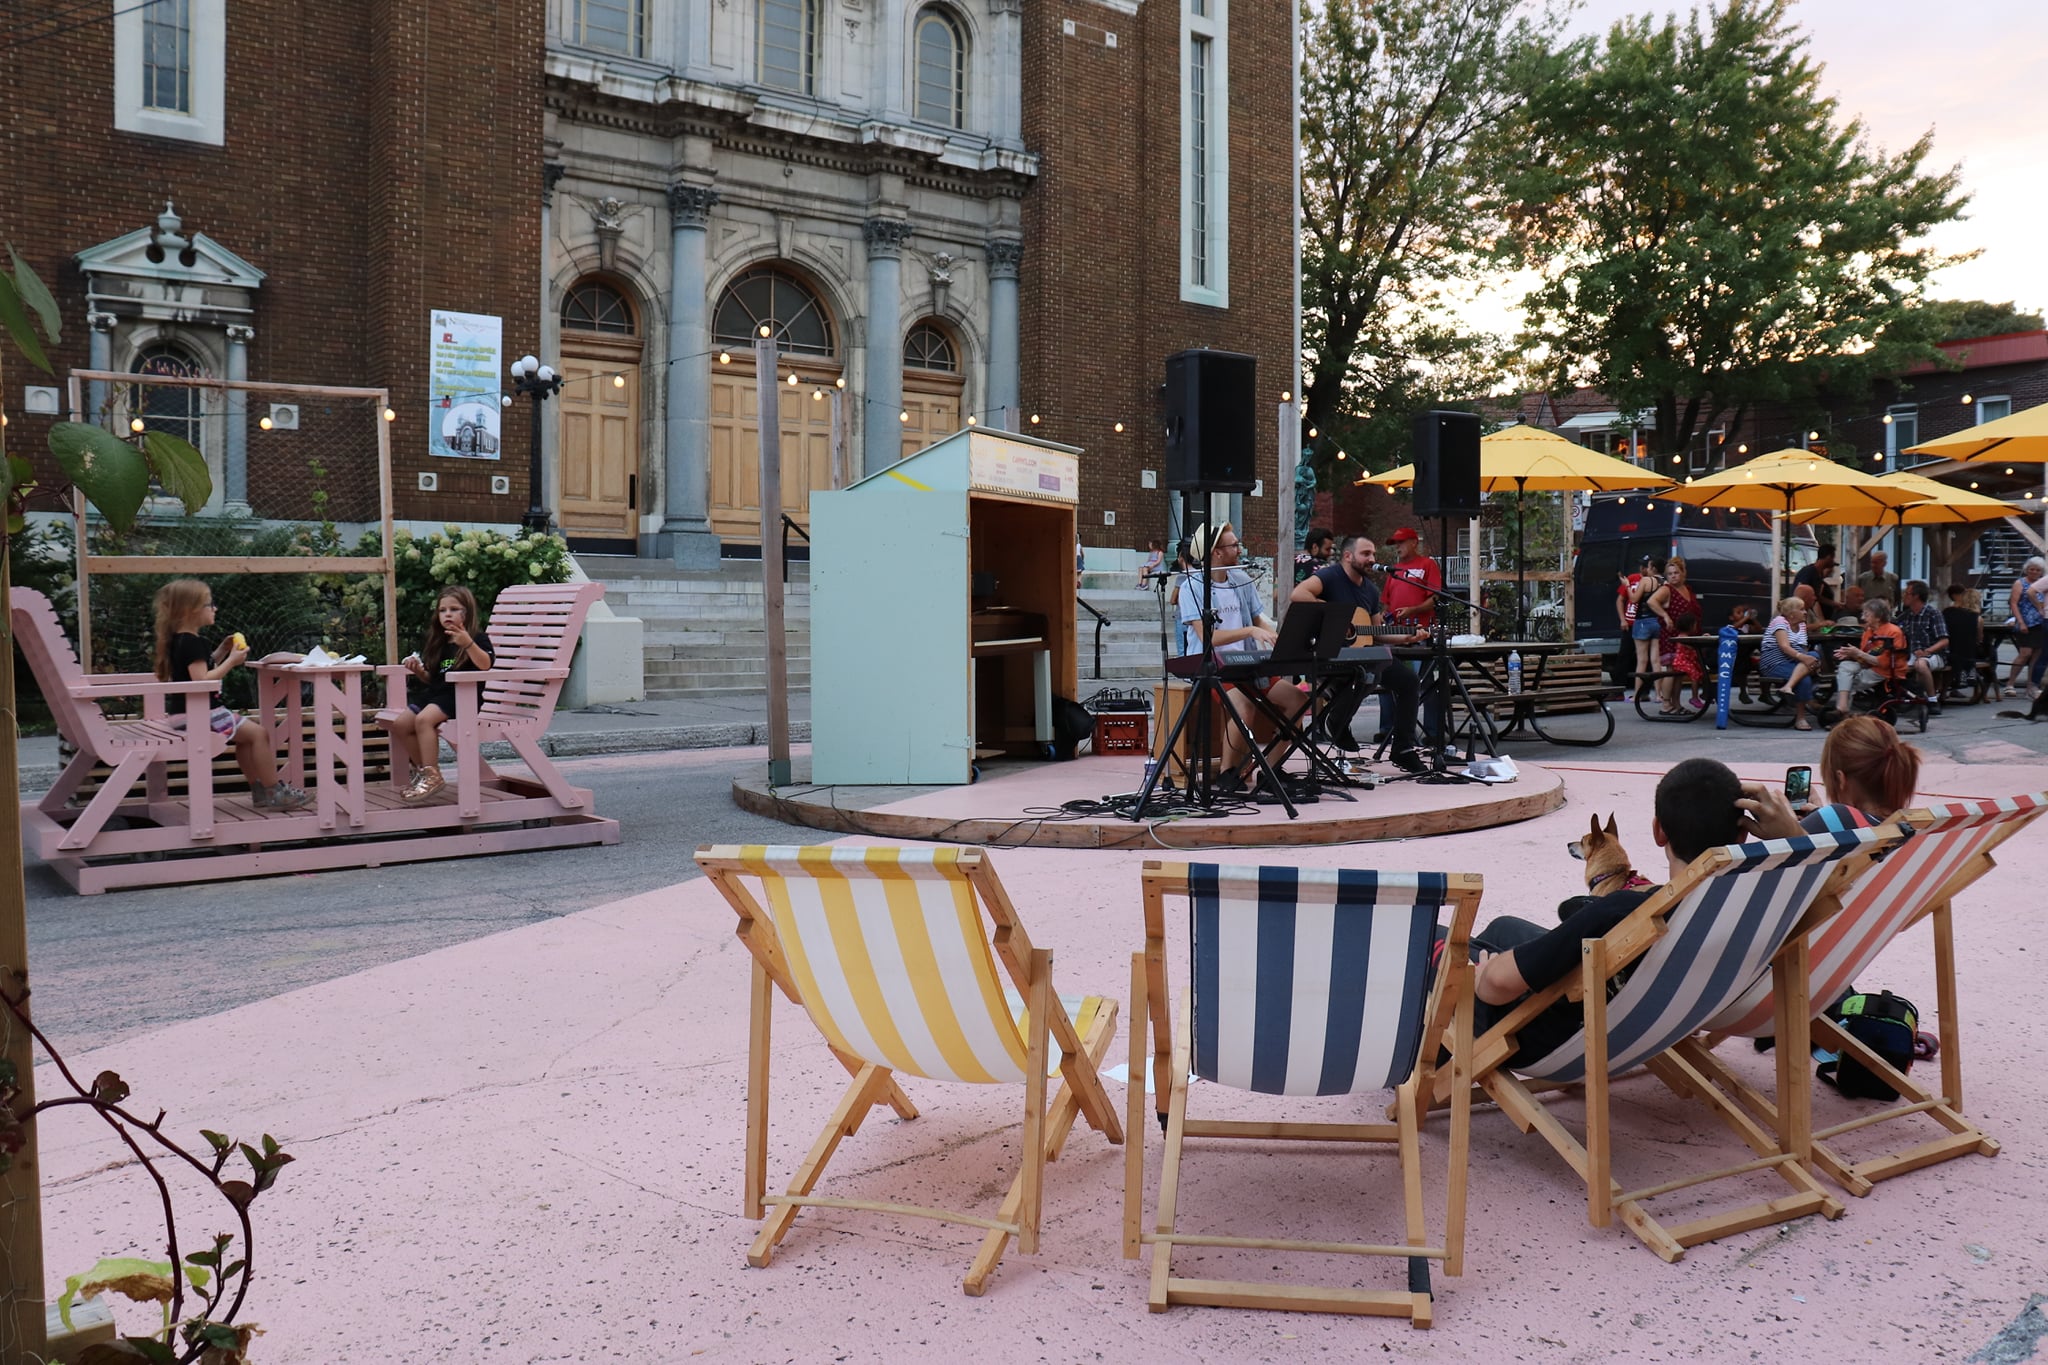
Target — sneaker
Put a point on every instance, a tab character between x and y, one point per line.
283	796
1412	761
423	786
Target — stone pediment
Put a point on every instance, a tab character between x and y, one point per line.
162	253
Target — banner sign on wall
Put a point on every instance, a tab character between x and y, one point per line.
466	359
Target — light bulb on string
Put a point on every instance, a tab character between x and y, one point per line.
2008	469
1119	426
1966	400
618	381
1287	396
390	416
1887	419
1340	455
1813	436
1034	419
264	423
792	381
817	395
840	382
1973	483
903	416
971	420
1742	449
725	357
765	330
1313	433
135	425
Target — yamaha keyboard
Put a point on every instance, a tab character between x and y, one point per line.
1244	664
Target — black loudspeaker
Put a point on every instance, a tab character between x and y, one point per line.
1211	421
1446	464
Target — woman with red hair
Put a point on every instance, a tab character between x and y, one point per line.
1869	772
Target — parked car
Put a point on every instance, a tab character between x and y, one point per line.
1727	554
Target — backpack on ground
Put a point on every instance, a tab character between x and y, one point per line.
1884	1023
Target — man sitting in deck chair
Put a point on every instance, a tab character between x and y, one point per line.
1701	804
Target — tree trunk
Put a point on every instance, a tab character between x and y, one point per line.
21	1225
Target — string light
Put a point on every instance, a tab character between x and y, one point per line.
1287	396
903	416
135	425
725	357
1120	427
840	382
1340	455
1676	459
765	330
792	381
618	381
1966	398
970	420
1034	419
1973	483
1313	433
2008	469
1649	507
1813	436
390	416
817	395
263	422
1887	419
1742	449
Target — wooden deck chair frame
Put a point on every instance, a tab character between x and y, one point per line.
535	628
135	749
1993	822
1786	1150
1046	1124
1448	1014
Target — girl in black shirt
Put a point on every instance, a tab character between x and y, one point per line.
454	644
184	607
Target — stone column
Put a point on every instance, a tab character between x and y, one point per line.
99	356
235	484
1005	257
882	424
686	534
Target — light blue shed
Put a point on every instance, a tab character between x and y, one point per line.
942	610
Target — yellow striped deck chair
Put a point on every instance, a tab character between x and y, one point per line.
893	954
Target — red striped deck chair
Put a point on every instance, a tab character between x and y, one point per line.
1949	850
1305	982
893	954
1681	958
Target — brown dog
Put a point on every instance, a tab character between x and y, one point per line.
1607	863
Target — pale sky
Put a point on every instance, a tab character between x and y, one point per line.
1974	71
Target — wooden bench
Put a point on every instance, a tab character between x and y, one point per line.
1564	685
227	774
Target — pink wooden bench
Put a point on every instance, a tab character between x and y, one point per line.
132	747
534	628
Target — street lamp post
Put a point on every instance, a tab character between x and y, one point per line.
538	382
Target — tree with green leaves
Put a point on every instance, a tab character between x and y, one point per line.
1710	233
1964	319
1405	107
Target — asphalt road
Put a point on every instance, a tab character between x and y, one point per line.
107	966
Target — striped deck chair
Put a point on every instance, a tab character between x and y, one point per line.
893	953
1950	849
1305	982
1690	951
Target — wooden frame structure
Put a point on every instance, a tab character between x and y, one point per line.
1445	1011
898	903
203	835
1690	950
1949	851
90	564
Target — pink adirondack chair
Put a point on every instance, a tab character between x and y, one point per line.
534	628
132	747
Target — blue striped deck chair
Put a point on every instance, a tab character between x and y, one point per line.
910	960
1680	959
1949	850
1305	982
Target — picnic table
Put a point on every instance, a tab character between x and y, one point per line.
1556	680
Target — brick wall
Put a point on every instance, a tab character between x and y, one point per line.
380	160
1101	307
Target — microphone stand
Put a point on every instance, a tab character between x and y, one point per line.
1449	684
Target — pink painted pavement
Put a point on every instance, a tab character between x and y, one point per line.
527	1148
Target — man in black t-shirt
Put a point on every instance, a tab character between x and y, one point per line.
1815	576
1700	804
1348	580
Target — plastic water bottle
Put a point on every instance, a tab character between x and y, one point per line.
1514	670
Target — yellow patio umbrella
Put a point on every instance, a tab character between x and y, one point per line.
1790	481
2019	438
1944	506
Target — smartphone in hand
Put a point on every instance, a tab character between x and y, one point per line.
1798	785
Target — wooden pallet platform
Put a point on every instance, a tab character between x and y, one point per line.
156	849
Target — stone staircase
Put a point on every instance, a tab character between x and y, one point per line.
704	634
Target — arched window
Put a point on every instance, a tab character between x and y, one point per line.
764	294
929	348
941	50
786	44
171	408
594	306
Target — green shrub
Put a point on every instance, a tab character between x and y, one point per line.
485	562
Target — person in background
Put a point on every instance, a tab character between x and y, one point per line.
2027	607
1637	618
1877	584
1677	610
1154	558
1410	580
1785	658
1965	634
1852	606
1879	656
1080	562
1315	552
1816	576
1926	635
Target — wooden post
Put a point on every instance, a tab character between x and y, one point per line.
769	419
1283	484
384	512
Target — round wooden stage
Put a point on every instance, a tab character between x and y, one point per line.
1020	805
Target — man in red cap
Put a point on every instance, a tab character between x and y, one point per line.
1411	572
